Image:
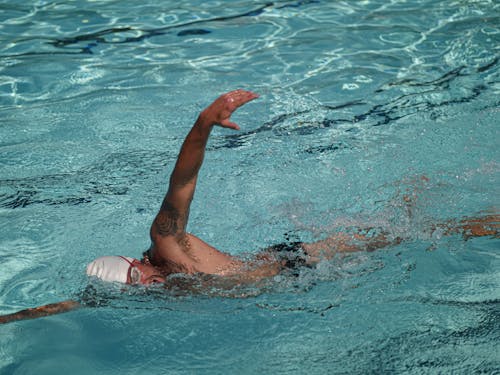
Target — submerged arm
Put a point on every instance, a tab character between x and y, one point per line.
38	312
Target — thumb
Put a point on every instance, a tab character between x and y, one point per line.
230	125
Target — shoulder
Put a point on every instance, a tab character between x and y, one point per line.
170	251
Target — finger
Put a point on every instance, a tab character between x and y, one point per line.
238	94
234	103
246	94
230	125
241	98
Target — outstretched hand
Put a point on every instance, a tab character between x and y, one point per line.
220	111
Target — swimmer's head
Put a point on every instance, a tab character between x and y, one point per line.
124	270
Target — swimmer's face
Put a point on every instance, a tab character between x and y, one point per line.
144	274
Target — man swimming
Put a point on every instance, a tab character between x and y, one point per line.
174	251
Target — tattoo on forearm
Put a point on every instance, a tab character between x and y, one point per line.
167	221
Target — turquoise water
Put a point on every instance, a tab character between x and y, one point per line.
359	99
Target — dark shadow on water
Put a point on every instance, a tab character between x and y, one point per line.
120	34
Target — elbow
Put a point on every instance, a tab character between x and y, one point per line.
168	223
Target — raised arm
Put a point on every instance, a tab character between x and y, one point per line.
173	215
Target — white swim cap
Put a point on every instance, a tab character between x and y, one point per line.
111	268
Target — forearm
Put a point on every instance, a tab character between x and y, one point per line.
191	154
38	312
193	149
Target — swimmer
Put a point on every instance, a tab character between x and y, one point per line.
174	251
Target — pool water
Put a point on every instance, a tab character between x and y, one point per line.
359	100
